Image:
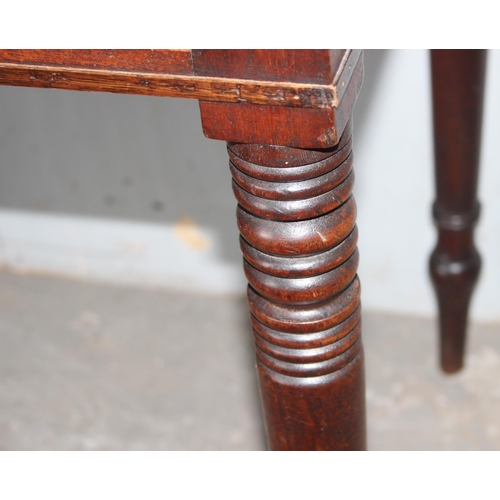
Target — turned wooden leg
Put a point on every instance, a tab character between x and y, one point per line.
457	85
296	215
292	173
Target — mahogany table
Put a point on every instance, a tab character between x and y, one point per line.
286	116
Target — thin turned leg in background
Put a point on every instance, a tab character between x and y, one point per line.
296	215
457	87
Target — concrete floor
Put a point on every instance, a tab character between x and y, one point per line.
95	367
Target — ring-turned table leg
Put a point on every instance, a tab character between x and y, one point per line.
293	178
458	87
296	215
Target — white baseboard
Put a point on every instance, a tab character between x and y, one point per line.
181	257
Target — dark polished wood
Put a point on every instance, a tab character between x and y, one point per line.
293	179
458	88
304	127
296	215
197	74
299	66
177	62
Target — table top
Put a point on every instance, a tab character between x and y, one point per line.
291	78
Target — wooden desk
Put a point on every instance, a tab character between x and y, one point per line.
286	117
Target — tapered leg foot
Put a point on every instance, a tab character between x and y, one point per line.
296	215
458	86
454	283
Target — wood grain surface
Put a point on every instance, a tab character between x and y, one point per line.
285	126
171	73
299	66
458	90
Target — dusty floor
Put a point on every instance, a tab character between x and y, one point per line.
86	366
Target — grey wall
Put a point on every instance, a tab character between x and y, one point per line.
113	156
145	159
